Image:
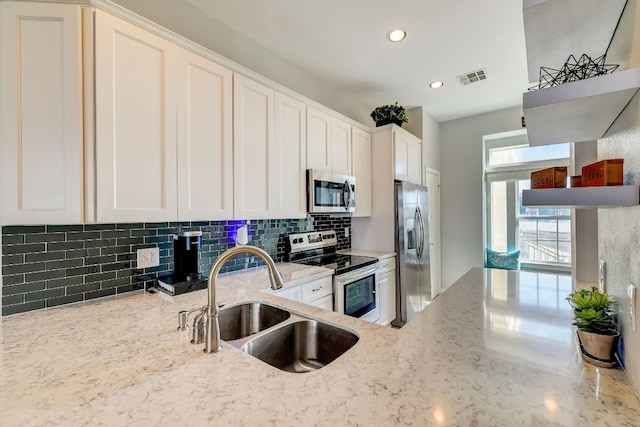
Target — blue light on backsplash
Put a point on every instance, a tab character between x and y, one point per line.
49	265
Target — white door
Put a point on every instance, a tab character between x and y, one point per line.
205	140
318	139
361	160
41	134
341	147
432	182
290	140
135	82
254	154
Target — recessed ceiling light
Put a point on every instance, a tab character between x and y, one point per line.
397	35
437	84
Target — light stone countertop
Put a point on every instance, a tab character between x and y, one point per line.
496	349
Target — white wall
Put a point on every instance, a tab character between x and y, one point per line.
461	160
188	21
619	232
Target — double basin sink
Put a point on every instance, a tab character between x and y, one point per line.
285	340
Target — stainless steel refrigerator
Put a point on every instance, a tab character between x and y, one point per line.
413	280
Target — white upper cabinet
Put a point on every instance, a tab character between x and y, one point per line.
290	138
341	147
318	139
136	89
407	153
41	133
328	143
361	161
269	152
205	140
255	157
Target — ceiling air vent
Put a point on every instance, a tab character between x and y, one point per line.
472	77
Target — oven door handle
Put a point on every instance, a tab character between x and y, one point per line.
343	279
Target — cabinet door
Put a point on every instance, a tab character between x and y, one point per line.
341	147
387	286
41	140
414	162
318	140
324	302
401	152
361	159
290	139
135	123
254	155
205	140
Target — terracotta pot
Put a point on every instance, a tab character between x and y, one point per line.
599	346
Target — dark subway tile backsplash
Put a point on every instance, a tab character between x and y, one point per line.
50	265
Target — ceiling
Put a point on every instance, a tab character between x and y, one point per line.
343	43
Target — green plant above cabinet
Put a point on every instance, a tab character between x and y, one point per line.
582	197
578	111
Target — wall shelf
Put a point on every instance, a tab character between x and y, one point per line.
582	197
578	111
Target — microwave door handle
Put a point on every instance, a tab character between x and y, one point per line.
346	194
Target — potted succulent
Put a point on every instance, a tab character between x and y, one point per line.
595	320
386	114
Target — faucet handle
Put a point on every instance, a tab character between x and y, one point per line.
199	324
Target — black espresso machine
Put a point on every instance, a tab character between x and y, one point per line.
186	276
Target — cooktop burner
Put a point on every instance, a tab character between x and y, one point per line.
318	248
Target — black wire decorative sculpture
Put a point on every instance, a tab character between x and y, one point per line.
574	70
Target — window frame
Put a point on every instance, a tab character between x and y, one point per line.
509	173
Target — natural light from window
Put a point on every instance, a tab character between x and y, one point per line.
543	236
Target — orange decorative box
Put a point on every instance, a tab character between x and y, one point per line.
604	172
549	178
576	181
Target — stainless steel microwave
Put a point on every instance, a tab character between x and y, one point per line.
328	192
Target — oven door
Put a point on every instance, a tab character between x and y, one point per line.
328	192
356	294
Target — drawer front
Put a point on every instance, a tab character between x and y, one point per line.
387	264
317	289
324	302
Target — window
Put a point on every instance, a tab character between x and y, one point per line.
543	236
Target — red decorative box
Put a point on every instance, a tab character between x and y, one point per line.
549	178
604	172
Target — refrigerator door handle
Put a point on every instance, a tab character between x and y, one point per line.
421	223
416	218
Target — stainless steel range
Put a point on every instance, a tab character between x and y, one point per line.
355	289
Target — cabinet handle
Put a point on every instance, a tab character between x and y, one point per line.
316	289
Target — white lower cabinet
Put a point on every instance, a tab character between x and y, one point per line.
318	293
41	133
386	277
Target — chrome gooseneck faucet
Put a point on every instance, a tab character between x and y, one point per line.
210	317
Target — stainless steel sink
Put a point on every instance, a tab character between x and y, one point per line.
244	320
301	346
288	341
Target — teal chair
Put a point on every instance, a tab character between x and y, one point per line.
504	260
